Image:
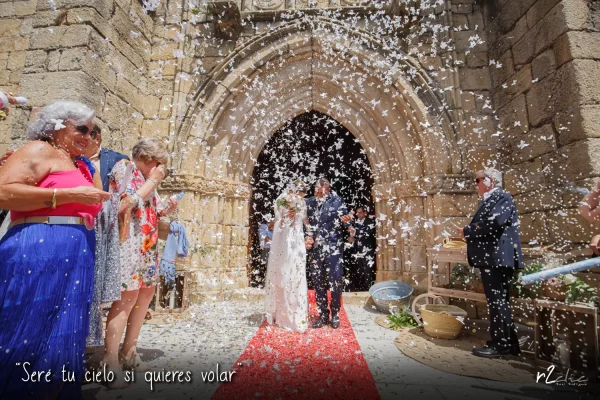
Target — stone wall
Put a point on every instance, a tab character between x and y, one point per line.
514	79
546	93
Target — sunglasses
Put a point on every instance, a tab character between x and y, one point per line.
478	180
84	130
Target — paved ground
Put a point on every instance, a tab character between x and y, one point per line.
216	333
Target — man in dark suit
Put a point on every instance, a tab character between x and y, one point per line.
362	235
328	218
494	246
103	159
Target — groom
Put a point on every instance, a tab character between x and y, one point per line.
328	218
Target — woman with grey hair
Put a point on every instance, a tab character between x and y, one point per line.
139	212
47	268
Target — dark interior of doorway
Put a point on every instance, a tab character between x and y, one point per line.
307	147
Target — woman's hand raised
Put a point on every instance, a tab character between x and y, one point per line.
157	173
83	194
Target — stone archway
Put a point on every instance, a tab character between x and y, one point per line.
396	113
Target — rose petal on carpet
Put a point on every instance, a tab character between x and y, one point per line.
321	363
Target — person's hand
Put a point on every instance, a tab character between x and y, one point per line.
291	214
351	230
5	157
267	240
351	239
126	202
86	195
594	244
308	242
157	173
171	206
12	99
347	218
461	232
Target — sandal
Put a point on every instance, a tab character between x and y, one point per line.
119	382
133	362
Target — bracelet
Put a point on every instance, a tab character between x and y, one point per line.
54	198
152	179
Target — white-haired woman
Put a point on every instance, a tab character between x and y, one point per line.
47	255
140	211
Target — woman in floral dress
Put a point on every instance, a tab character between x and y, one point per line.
139	212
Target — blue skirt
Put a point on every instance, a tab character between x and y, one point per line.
46	283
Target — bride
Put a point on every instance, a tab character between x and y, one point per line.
286	294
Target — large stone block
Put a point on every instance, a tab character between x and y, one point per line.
580	160
525	177
16	61
518	83
512	12
35	61
536	142
502	69
513	118
574	44
539	11
468	41
474	78
43	88
59	37
543	65
541	36
578	124
533	228
587	73
540	199
18	8
104	7
555	94
120	116
44	19
10	27
73	59
568	225
453	205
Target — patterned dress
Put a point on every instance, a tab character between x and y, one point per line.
139	256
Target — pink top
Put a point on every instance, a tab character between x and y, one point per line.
63	180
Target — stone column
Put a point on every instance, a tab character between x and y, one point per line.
215	214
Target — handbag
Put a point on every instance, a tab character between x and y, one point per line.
164	227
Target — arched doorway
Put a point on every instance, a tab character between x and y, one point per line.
391	105
307	147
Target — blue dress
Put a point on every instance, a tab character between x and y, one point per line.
46	286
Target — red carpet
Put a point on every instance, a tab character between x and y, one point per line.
322	363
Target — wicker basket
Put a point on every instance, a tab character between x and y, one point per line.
440	320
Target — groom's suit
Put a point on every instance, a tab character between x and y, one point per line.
326	255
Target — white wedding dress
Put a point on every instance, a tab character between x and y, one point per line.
286	294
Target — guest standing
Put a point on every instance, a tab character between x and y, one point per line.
47	267
107	275
494	246
362	235
139	258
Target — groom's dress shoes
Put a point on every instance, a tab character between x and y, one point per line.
335	321
319	323
490	352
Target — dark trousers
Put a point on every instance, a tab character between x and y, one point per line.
327	270
496	284
364	270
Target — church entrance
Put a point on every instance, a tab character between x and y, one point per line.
308	147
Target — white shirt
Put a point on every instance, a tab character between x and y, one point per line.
486	195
